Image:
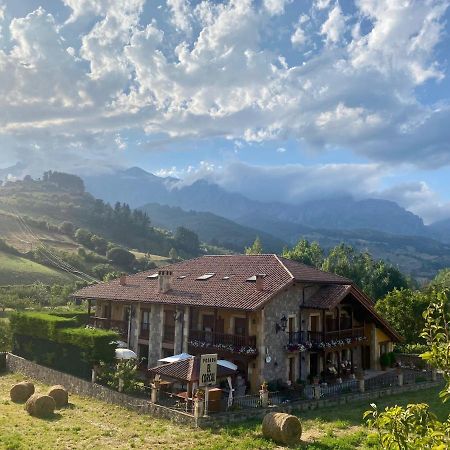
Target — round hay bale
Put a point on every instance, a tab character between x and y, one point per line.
39	405
21	392
60	395
282	428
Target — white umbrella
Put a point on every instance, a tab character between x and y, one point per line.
121	344
175	358
125	353
227	364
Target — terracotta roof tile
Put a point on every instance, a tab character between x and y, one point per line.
328	296
233	292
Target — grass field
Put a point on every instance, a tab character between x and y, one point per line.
91	424
18	270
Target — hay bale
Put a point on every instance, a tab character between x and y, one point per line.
60	395
21	392
39	405
282	428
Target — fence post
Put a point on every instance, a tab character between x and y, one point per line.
155	391
264	395
400	377
94	374
198	408
433	375
316	391
361	382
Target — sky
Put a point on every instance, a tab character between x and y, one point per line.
282	100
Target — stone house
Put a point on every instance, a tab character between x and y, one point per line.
276	319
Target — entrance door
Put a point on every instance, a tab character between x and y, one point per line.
366	357
314	364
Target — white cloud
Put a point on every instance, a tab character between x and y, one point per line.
224	77
281	150
333	28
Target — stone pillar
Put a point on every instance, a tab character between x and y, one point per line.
154	392
135	327
316	391
155	335
400	378
374	350
361	385
187	311
260	342
198	408
433	375
179	325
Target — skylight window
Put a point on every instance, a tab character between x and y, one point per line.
226	277
253	278
182	277
206	276
153	276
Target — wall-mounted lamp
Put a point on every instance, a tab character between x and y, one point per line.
282	325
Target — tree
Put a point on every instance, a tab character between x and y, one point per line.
67	228
256	248
173	254
187	240
404	309
442	279
5	337
306	253
100	244
414	427
83	237
121	257
101	270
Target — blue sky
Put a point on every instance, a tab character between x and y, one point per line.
279	99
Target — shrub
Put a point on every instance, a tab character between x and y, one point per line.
39	325
121	256
385	360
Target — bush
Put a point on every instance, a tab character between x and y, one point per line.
39	325
121	257
385	360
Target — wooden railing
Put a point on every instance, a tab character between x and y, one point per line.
233	341
121	326
301	337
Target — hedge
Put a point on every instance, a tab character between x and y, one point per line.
39	325
82	317
60	343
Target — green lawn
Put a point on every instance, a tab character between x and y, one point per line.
91	424
18	270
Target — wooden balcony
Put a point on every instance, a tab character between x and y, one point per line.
108	324
315	337
228	343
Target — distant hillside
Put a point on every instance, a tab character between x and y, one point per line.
211	228
418	256
441	230
138	187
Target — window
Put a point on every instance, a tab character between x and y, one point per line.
153	276
253	278
145	320
206	276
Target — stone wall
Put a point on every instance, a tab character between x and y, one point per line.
87	389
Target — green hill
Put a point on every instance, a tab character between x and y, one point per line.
18	270
211	228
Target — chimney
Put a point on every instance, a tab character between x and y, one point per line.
164	281
123	280
259	281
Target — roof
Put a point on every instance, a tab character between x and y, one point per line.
187	370
327	296
228	288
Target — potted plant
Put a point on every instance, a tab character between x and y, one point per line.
384	361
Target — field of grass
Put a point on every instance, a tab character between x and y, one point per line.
18	270
91	424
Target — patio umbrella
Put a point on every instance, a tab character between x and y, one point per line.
227	364
175	358
125	353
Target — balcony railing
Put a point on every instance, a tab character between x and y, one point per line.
121	326
232	343
316	337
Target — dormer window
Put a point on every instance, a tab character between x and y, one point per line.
206	276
